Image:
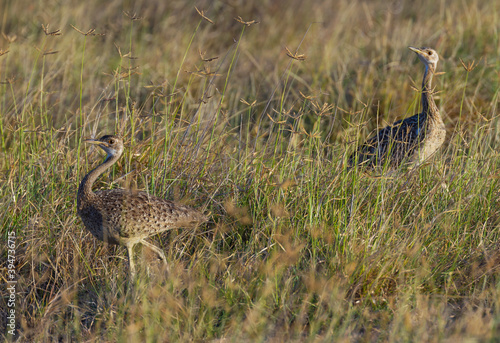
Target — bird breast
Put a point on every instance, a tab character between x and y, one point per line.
435	137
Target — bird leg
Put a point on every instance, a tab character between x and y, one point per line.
157	250
130	254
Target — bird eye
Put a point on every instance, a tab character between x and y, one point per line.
111	141
429	53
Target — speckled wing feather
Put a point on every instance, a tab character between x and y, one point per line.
122	215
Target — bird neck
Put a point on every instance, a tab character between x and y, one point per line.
85	189
428	105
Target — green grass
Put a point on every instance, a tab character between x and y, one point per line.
298	248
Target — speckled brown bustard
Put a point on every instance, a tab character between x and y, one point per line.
126	217
412	139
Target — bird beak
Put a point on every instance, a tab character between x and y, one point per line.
95	141
416	50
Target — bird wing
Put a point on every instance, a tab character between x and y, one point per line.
397	140
134	214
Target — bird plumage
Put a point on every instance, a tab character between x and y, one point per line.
127	217
412	139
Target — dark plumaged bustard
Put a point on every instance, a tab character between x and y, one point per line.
126	217
412	139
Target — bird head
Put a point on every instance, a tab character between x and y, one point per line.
112	145
427	55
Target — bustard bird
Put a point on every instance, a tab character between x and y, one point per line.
412	139
125	217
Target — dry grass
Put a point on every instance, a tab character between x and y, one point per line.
251	120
